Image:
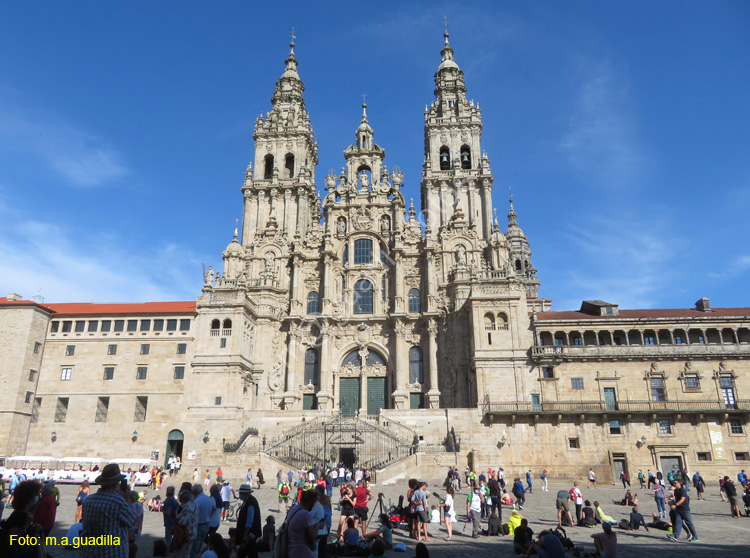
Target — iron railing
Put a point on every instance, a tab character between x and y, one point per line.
510	407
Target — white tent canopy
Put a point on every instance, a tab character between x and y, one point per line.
40	458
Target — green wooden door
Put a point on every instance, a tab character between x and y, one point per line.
375	395
349	396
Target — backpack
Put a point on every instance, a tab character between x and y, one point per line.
624	524
281	542
560	533
284	489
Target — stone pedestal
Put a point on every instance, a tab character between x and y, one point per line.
433	398
400	399
325	401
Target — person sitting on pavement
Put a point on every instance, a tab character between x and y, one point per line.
588	515
547	546
659	523
602	517
514	521
523	536
636	520
628	500
605	542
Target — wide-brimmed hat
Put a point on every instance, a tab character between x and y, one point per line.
110	475
246	489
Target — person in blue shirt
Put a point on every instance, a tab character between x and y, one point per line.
742	477
528	481
519	492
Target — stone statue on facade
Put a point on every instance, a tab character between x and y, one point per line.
385	225
364	180
461	255
209	276
269	262
341	226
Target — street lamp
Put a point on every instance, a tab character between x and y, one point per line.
135	436
206	438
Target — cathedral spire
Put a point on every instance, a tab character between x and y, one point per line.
512	217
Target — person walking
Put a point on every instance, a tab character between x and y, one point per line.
699	484
681	508
475	508
83	491
259	478
519	492
651	479
660	497
592	478
641	479
528	481
543	476
283	496
227	493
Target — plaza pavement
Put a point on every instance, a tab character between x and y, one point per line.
719	534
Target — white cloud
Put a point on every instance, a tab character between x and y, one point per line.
626	262
41	258
601	140
80	157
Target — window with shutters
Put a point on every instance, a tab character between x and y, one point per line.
141	407
61	411
102	408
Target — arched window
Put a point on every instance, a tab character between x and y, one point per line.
445	158
489	321
268	169
215	324
311	367
465	157
416	373
518	265
373	358
289	165
363	251
227	324
313	303
415	301
363	297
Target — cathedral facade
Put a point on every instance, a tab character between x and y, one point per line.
351	306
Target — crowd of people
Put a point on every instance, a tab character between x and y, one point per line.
193	512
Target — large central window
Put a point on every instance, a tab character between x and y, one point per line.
363	251
363	297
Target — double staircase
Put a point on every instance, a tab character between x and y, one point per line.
357	442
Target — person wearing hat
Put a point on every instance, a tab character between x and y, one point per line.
107	513
605	542
248	523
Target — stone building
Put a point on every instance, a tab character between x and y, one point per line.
427	341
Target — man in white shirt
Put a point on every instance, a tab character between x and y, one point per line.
227	493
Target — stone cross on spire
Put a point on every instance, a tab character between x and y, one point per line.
292	35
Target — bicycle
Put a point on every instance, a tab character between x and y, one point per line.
234	508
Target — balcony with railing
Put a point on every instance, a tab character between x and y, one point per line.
601	406
583	352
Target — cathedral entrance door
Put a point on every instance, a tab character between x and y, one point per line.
346	456
174	446
349	396
376	394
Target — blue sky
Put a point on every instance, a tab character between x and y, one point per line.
623	129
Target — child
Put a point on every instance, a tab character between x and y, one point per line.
434	515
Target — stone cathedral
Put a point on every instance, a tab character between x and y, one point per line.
425	339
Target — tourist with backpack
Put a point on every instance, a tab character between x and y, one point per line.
299	532
284	496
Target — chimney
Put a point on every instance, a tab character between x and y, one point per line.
13	297
704	305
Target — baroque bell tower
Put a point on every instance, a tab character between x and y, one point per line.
456	176
280	198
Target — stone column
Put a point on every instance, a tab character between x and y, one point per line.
249	218
471	217
297	297
288	210
433	396
325	395
291	394
400	395
399	278
328	286
429	256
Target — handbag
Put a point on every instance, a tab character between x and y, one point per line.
180	537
